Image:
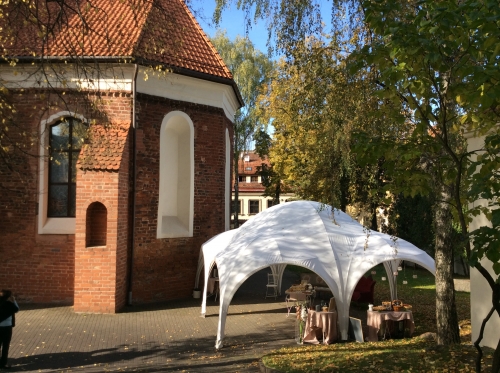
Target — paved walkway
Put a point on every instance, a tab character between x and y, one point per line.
170	337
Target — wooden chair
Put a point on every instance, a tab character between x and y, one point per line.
272	286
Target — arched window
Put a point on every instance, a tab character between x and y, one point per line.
176	194
65	141
96	225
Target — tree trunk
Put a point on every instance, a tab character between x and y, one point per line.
446	312
277	192
373	222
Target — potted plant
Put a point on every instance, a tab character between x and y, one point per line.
301	311
196	293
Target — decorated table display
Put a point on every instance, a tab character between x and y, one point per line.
320	327
395	311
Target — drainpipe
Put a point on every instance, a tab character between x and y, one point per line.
134	159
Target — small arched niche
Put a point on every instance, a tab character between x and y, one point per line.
96	225
176	194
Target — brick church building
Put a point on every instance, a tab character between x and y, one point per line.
120	163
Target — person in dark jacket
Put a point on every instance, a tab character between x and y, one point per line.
8	309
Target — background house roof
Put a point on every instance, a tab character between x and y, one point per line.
157	32
248	164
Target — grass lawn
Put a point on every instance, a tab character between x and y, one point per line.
408	355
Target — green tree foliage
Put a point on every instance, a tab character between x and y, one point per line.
270	179
410	218
315	105
485	173
486	186
438	61
437	69
251	70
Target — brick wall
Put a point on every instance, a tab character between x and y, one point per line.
101	271
165	268
39	268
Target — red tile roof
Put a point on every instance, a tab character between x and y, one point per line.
104	147
165	33
253	162
250	187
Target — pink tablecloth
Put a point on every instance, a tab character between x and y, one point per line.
375	321
320	324
211	284
296	295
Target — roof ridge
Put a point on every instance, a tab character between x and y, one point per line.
206	38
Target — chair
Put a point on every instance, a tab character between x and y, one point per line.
292	300
272	286
363	292
332	307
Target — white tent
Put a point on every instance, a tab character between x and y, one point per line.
308	234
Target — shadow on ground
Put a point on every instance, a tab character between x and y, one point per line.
196	355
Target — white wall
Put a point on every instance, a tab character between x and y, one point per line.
118	77
176	193
480	296
244	197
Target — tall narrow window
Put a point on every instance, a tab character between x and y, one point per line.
253	206
65	141
270	203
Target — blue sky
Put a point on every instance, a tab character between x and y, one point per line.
233	21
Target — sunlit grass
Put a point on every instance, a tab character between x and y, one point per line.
409	355
427	287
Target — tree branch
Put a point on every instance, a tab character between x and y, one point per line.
479	339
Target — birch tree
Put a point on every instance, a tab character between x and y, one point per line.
251	70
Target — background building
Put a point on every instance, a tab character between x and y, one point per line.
250	189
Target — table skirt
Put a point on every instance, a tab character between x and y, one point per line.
320	325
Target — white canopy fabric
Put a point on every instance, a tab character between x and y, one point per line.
309	234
